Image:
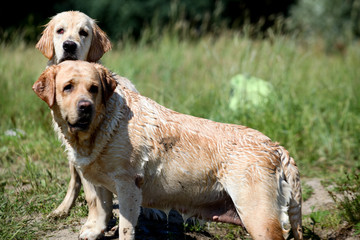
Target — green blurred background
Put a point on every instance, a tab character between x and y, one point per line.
336	20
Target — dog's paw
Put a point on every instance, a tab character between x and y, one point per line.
91	233
58	214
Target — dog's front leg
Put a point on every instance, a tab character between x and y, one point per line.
99	201
130	199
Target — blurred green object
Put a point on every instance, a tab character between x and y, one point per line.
248	91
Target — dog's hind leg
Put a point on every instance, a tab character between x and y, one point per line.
72	193
258	209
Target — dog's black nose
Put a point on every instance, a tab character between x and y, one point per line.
69	46
84	106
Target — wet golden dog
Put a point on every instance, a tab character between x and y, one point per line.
154	157
72	35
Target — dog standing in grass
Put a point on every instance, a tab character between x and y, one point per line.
154	157
73	35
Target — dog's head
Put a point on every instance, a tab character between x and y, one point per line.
77	91
73	35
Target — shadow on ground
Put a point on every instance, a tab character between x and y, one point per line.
158	229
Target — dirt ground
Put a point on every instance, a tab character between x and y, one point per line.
157	229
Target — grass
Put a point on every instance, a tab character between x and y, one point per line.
307	191
315	111
346	194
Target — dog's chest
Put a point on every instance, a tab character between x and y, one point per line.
102	174
107	168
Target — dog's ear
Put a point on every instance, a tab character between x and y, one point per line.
108	82
44	87
45	44
100	44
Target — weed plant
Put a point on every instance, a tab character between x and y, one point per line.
346	194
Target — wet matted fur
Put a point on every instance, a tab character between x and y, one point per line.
154	157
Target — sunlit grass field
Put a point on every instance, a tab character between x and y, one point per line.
314	112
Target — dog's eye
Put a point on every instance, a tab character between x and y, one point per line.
83	33
68	88
94	89
60	31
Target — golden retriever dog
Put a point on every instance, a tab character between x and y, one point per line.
72	35
154	157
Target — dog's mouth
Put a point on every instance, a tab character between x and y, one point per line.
82	124
68	57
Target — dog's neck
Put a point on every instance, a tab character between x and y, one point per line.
55	61
82	149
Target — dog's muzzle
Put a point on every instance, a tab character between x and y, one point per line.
85	111
70	49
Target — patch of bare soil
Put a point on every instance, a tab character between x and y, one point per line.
151	229
319	200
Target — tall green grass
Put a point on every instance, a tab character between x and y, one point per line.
315	113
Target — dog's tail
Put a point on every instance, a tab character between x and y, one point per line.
289	193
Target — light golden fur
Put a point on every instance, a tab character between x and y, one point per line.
154	157
89	43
